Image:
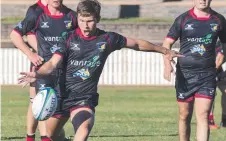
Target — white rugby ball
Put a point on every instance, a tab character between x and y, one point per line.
44	104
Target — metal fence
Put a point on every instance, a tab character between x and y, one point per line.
124	67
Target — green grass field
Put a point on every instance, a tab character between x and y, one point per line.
123	114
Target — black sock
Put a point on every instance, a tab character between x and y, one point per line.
223	120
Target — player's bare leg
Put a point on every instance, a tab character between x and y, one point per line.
32	123
55	128
185	115
83	121
202	110
211	121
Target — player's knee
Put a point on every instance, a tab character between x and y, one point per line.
202	116
81	121
185	115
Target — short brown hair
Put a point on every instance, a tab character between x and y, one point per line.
89	7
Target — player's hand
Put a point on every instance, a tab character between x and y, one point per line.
27	77
35	59
168	69
170	54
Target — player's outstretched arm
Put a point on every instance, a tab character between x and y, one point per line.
168	68
45	69
48	67
142	45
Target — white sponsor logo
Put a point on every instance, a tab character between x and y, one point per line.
52	39
206	39
74	46
44	25
198	40
94	62
188	27
85	63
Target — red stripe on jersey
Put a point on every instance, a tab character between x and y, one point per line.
68	41
185	19
198	95
79	32
38	21
218	20
17	32
73	19
30	33
58	53
77	107
53	16
61	116
198	18
41	4
170	38
188	100
108	40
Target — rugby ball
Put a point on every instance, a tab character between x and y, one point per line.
44	104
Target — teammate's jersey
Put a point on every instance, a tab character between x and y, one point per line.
48	29
219	49
35	9
198	38
85	58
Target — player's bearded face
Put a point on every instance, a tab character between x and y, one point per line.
202	4
87	24
55	3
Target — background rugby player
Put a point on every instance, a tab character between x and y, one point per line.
219	62
48	26
198	30
32	123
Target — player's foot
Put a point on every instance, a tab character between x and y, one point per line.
212	125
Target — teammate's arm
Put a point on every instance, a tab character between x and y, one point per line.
21	29
172	36
168	68
20	44
219	60
222	34
32	41
49	66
